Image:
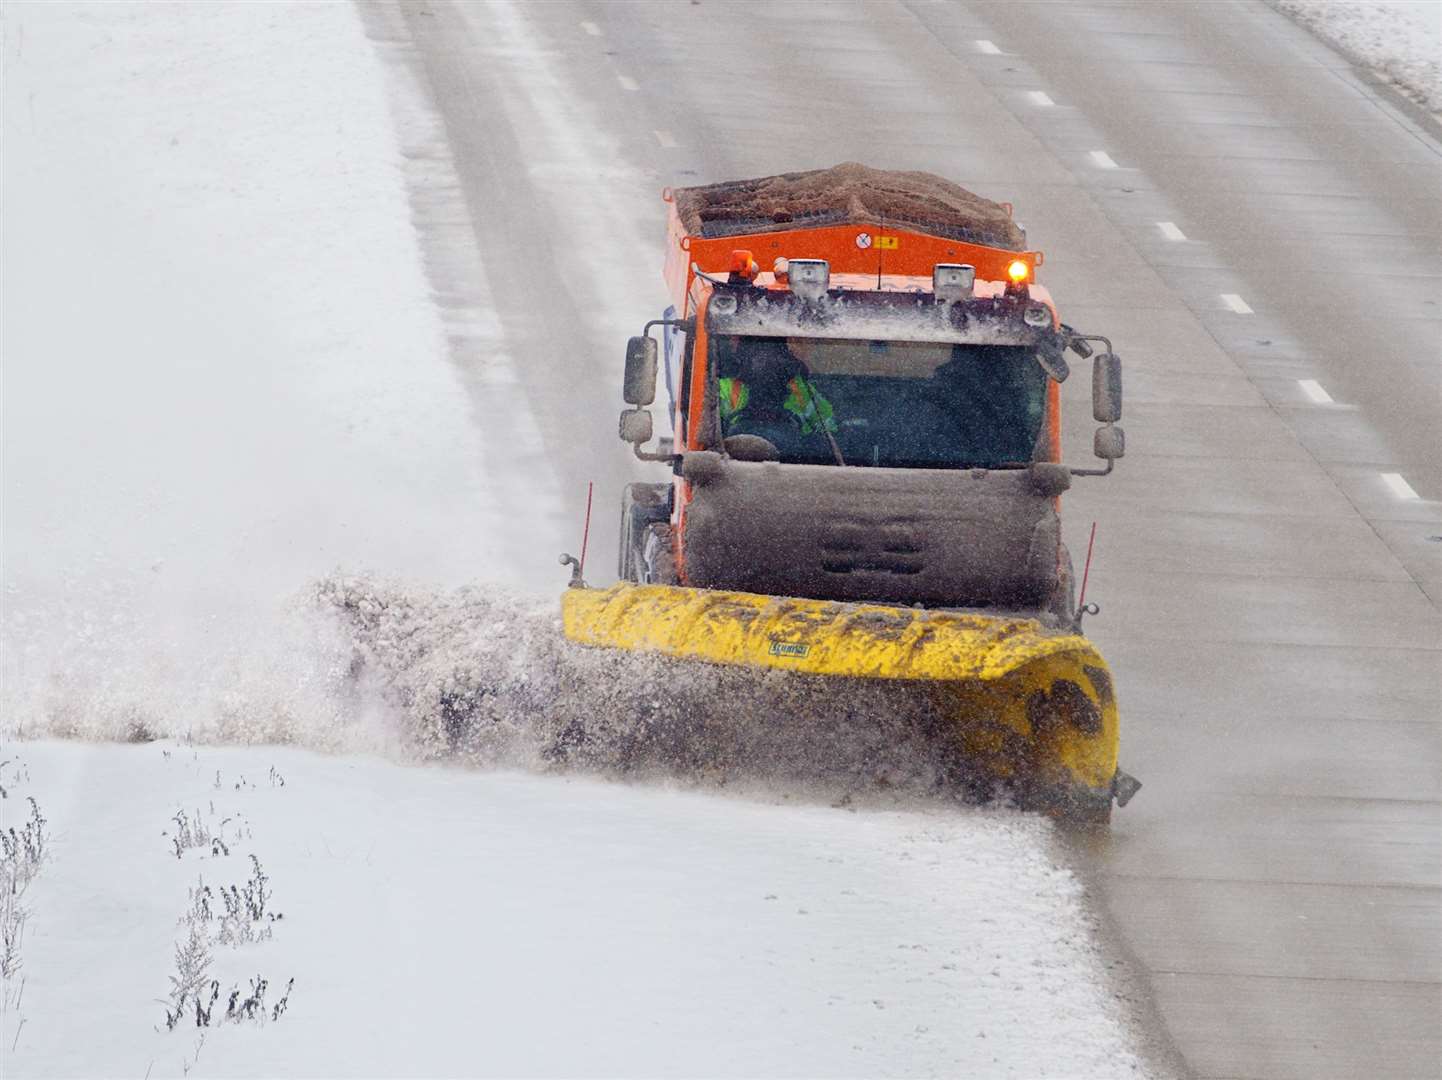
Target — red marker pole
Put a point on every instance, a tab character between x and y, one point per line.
1085	573
586	530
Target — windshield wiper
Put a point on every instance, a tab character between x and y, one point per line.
821	420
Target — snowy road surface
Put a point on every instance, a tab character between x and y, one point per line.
1259	233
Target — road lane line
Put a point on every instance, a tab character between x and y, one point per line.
1399	486
1040	97
1236	303
983	46
1102	160
1314	391
665	139
590	28
1170	230
628	83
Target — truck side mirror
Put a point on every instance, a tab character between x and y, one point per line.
1107	388
635	426
1109	443
640	384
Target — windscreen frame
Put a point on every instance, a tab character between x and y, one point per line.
1030	411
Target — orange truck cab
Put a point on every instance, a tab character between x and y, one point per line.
856	409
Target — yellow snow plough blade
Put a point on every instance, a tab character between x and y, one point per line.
1032	707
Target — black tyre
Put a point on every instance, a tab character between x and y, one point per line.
658	559
642	506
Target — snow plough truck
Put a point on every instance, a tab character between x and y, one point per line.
862	387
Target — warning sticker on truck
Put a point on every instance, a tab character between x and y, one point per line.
864	240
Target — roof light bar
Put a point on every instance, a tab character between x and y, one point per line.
810	278
952	281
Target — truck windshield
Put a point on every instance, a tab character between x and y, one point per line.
897	404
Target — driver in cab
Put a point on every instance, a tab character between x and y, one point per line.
770	386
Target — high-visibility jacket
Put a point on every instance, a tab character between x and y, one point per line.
804	402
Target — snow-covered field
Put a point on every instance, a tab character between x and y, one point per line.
224	377
449	923
224	373
1400	40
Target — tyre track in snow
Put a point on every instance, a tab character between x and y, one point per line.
548	238
479	347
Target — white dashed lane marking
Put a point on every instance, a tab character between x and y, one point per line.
1311	388
1399	486
628	83
665	139
590	28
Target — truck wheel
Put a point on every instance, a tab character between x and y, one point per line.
659	556
642	506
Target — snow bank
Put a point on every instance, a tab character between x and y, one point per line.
493	681
487	678
224	372
1401	40
453	923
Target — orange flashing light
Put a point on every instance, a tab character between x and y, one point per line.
743	265
1018	271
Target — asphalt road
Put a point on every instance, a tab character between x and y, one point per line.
1260	233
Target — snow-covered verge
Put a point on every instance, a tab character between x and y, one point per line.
224	372
449	923
1400	40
